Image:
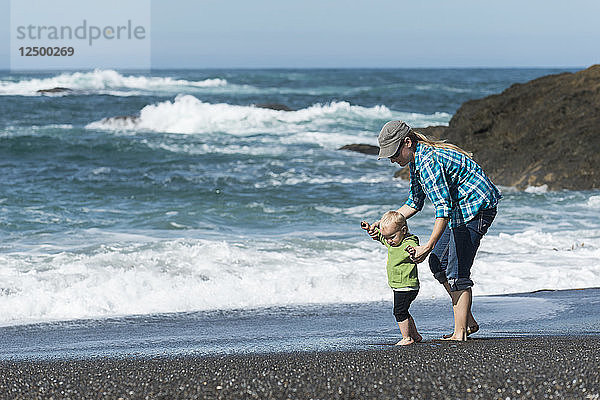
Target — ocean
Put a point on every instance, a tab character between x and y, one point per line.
200	202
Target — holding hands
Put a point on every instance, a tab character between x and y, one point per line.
419	253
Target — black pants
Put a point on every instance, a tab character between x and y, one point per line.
402	300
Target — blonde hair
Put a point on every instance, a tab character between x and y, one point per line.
392	217
440	144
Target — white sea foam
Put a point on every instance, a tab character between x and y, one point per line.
295	178
187	114
183	276
30	128
533	260
537	189
320	123
102	81
16	131
144	277
593	202
442	88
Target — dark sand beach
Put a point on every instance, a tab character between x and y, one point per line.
485	368
531	345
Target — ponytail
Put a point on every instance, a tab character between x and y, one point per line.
439	144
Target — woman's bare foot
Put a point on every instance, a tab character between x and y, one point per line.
453	338
417	338
405	341
470	331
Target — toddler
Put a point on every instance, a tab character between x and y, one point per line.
401	270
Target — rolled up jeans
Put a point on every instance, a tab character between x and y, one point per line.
452	257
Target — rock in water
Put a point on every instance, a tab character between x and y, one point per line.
121	121
55	90
543	132
361	148
134	119
274	106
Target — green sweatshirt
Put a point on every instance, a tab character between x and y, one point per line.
401	270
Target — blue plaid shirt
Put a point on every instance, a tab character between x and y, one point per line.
455	184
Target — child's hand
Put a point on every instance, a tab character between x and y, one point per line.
370	230
411	251
373	228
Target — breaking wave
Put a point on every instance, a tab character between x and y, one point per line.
102	82
188	114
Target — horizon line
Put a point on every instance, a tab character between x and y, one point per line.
288	68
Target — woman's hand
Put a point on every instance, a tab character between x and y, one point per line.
418	253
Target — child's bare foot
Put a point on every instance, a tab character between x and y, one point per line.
470	331
405	341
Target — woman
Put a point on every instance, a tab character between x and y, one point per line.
465	201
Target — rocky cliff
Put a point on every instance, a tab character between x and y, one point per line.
543	132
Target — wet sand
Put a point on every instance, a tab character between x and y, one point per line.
483	368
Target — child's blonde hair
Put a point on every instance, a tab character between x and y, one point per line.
392	217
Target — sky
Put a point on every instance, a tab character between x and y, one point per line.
361	33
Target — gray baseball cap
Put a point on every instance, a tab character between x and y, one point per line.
390	137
